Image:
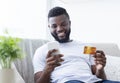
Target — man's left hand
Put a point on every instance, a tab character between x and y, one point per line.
100	60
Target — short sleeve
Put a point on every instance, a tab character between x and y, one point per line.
39	60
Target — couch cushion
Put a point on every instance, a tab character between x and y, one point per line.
25	66
112	68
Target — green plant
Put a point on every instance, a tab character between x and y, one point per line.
9	51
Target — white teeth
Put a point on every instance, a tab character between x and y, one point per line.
61	34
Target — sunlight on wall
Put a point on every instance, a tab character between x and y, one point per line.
23	18
92	20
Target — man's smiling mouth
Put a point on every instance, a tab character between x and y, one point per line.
61	35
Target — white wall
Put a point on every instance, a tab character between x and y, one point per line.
23	18
94	20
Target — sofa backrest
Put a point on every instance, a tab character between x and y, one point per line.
109	48
30	45
25	67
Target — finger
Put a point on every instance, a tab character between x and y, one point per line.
56	65
60	60
100	62
101	52
54	58
100	58
104	57
50	59
50	53
98	55
59	56
52	62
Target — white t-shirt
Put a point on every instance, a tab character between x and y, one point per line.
76	65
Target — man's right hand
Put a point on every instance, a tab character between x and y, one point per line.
52	61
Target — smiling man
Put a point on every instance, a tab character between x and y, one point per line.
60	26
71	65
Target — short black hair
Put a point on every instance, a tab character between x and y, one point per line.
56	11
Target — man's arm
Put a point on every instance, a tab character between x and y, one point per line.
42	77
51	63
99	73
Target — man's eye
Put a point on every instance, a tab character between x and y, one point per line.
64	24
54	26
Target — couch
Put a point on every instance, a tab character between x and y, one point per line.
25	66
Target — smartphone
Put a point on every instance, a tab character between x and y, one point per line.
54	45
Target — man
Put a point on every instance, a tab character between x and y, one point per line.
71	65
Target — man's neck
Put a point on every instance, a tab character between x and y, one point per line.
66	41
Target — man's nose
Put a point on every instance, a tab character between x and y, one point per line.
59	29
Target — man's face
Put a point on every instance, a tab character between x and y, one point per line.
60	28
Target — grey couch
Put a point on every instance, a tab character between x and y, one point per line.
25	66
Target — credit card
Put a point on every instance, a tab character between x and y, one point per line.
89	50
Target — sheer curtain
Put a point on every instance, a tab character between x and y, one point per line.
23	18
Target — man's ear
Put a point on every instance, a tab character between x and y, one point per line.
48	25
70	23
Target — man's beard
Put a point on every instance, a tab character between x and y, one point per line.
66	39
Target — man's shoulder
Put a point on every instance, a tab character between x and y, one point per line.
44	46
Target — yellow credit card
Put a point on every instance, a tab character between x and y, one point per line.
89	50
